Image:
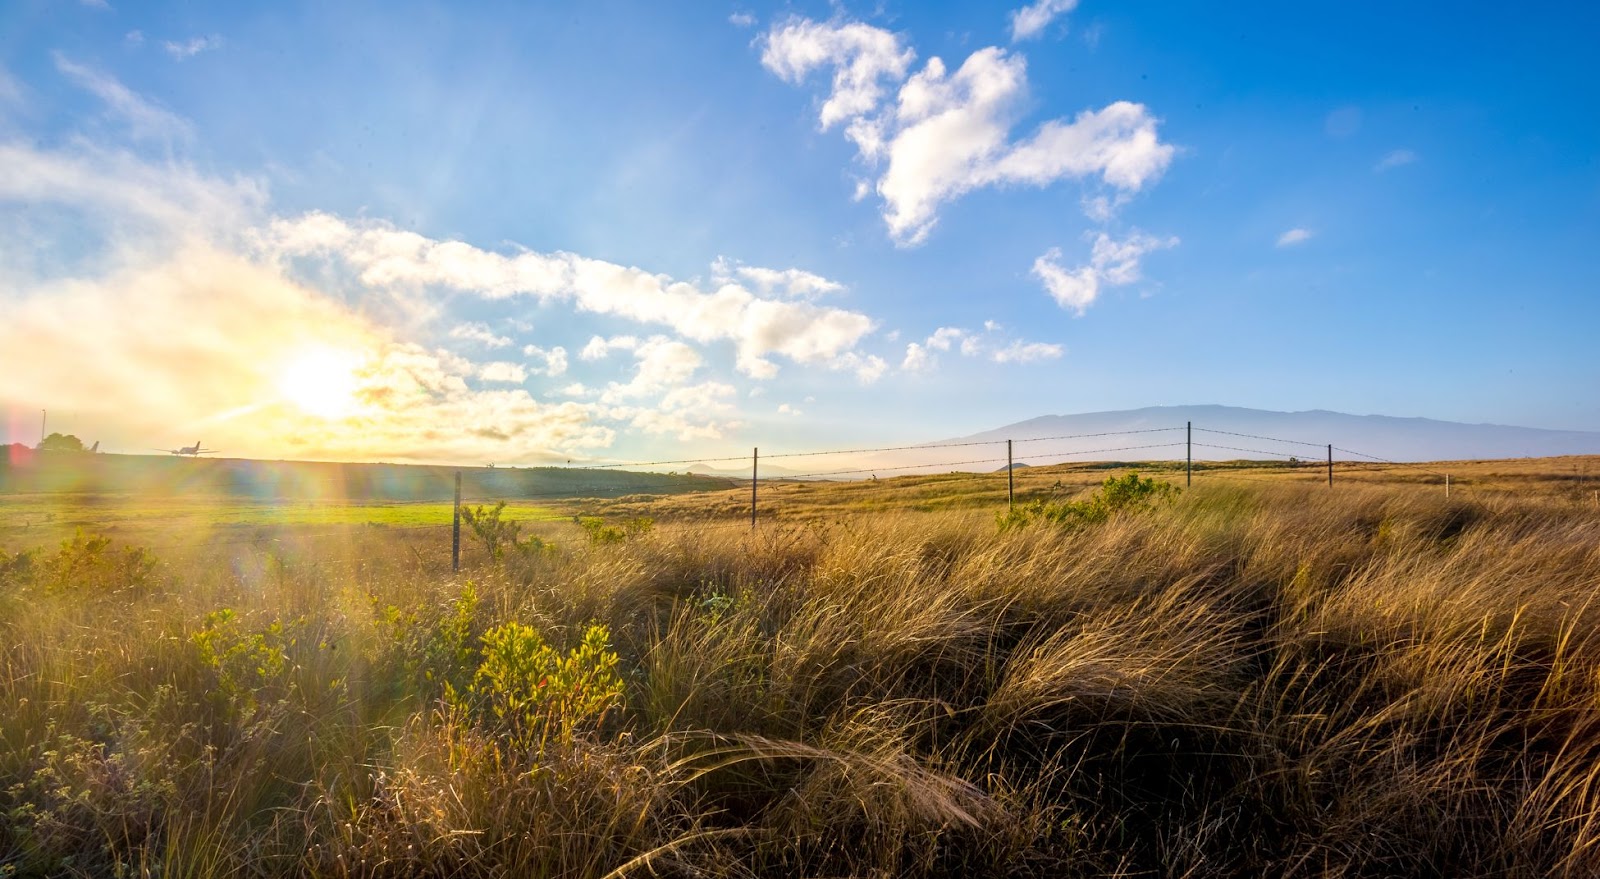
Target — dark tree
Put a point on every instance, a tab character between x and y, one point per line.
56	442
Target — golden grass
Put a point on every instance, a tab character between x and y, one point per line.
1263	678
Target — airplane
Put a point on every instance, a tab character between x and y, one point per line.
193	451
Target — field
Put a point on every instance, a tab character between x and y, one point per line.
1255	675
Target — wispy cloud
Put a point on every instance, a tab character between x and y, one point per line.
480	333
1294	236
186	49
1394	159
1030	20
1028	352
789	283
946	133
145	120
1112	263
742	19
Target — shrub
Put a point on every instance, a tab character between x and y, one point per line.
499	535
1128	494
535	693
600	532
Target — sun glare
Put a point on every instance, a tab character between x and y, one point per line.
321	381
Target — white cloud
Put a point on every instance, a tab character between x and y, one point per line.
1027	22
945	134
503	371
480	333
786	409
600	347
742	19
1293	237
134	38
1394	159
917	359
1027	352
181	51
1112	263
865	59
555	359
789	283
868	369
145	121
390	258
95	4
164	240
943	336
662	364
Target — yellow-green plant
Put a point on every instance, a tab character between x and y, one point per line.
1130	493
536	693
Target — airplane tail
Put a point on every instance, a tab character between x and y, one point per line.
94	448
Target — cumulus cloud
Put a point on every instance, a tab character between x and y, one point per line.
917	359
865	61
503	371
947	133
1395	159
186	49
387	257
555	359
1112	263
975	343
1030	20
480	333
1293	237
662	364
599	347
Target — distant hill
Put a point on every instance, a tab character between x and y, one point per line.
1277	434
307	480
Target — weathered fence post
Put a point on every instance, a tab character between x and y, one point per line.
755	461
455	529
1188	454
1011	479
1330	465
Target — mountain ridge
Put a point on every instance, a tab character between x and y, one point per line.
1400	438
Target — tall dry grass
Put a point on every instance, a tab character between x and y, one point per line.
1276	680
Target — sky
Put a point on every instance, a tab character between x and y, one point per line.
534	233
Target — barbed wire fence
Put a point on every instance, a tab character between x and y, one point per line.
746	495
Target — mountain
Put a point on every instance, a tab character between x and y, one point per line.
1267	435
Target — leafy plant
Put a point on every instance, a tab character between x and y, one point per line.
498	534
1127	494
600	532
89	562
535	693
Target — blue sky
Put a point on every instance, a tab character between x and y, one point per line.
528	232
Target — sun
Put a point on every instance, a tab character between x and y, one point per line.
321	381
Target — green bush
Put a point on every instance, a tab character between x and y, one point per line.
600	532
499	535
1128	494
536	694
